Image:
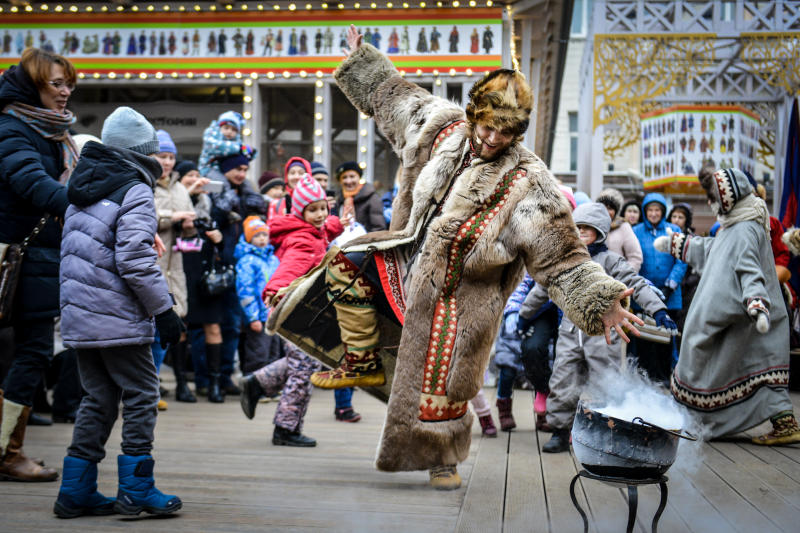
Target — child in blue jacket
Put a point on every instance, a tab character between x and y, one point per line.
255	264
222	138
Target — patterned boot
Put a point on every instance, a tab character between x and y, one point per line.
358	326
445	477
358	370
784	431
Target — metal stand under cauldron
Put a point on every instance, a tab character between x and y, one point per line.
633	496
623	453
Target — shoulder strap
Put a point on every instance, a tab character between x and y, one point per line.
34	233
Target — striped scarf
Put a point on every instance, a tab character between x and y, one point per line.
52	126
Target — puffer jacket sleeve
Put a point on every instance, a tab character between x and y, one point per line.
249	284
21	165
631	248
333	227
534	301
134	254
297	259
216	146
618	268
514	302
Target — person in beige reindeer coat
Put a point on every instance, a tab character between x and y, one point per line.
474	210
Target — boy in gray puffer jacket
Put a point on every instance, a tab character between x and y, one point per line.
111	289
578	355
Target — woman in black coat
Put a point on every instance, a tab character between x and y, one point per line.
358	199
37	156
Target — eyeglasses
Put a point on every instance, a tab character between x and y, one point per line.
61	84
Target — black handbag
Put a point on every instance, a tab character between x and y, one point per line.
218	279
11	256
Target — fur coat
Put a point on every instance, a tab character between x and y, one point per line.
500	218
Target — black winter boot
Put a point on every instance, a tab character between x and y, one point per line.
558	443
213	360
251	393
182	391
284	437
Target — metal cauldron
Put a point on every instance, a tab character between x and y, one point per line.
636	449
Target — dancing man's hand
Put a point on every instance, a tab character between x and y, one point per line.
353	40
617	317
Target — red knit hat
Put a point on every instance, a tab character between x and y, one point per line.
253	225
307	191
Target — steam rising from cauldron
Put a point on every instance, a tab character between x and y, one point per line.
626	394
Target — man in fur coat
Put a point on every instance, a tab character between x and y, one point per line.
474	210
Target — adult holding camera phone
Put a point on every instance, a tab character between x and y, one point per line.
214	311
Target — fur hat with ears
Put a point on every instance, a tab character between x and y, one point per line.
611	198
502	100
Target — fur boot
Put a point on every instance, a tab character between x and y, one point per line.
507	422
785	430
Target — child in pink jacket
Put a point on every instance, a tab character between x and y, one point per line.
301	238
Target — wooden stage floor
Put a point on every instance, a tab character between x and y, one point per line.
231	478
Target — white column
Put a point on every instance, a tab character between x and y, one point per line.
365	146
527	65
255	125
506	39
322	123
592	183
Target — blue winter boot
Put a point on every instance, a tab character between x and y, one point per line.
137	488
78	494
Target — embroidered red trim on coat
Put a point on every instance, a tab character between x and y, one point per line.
392	282
434	404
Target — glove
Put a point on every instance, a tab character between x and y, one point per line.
248	151
663	243
511	323
667	292
664	320
659	293
525	327
254	205
170	326
757	309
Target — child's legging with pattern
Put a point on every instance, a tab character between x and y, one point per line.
289	376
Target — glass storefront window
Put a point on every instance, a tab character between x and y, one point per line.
288	118
344	131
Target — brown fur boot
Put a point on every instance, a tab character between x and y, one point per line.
506	418
14	466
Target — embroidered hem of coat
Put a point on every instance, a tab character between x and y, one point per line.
735	392
434	405
392	282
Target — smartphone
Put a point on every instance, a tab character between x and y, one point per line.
213	187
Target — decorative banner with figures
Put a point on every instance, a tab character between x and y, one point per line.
677	141
212	42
